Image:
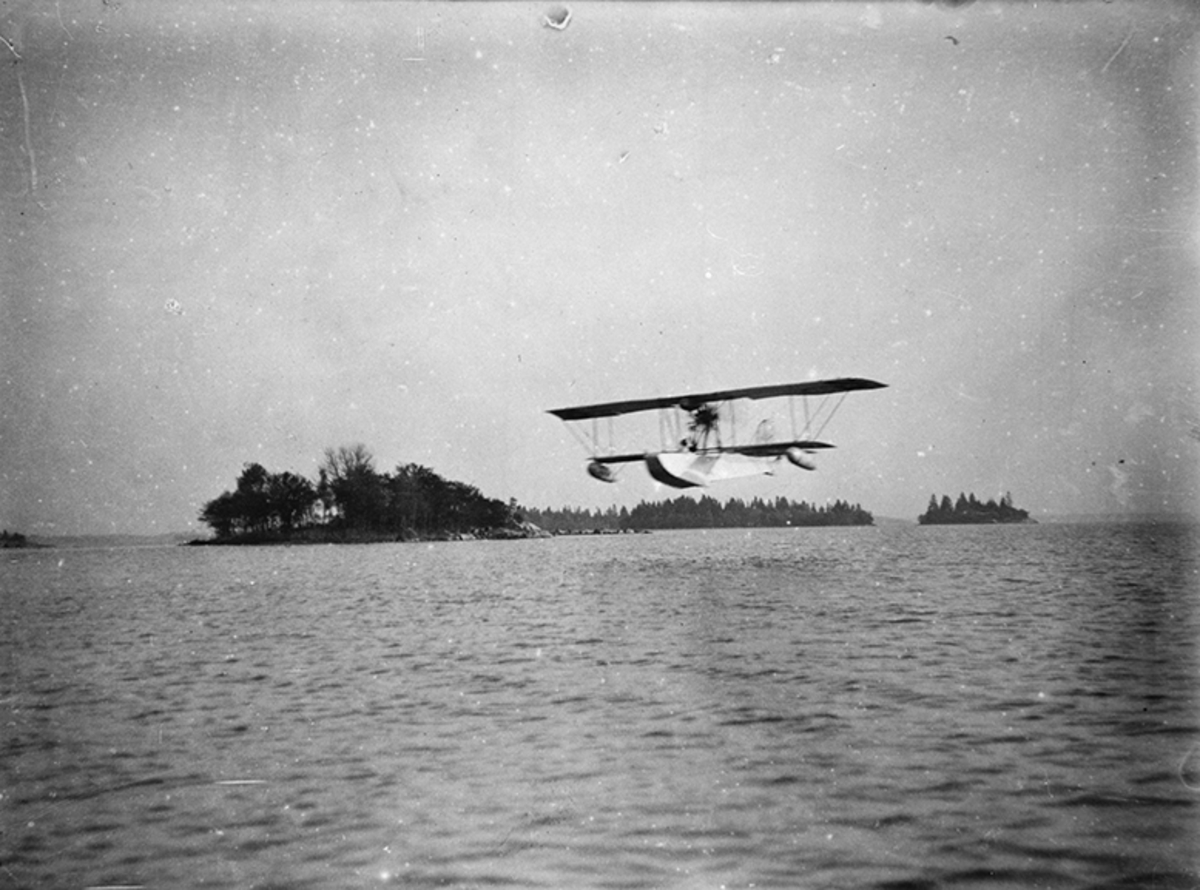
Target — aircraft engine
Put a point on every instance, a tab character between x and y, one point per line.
800	459
600	471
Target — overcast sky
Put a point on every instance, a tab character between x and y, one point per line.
247	232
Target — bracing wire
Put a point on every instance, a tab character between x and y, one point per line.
832	412
812	417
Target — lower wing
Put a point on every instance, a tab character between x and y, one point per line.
762	449
772	449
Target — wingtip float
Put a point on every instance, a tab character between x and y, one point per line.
702	425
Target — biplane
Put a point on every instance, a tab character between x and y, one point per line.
698	432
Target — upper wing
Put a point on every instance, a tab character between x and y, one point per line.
612	409
694	400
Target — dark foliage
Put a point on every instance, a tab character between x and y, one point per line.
969	510
685	512
262	502
350	496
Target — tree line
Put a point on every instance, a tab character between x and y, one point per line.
969	509
707	512
350	495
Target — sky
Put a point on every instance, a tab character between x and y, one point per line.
252	231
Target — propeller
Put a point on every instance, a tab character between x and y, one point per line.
704	421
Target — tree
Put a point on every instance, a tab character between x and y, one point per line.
357	495
347	461
291	499
427	492
253	497
260	503
325	495
223	515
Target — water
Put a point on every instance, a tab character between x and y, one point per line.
893	707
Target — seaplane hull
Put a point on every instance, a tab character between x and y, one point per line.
681	469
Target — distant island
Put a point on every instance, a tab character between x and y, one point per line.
968	510
352	502
15	540
706	512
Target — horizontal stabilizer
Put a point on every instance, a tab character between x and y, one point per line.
618	458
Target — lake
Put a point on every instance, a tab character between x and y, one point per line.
885	707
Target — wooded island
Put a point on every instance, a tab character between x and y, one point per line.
968	510
351	501
705	512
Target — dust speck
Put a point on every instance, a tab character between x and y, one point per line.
557	17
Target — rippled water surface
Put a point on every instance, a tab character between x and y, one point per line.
895	707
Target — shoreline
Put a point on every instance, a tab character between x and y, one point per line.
978	520
363	536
